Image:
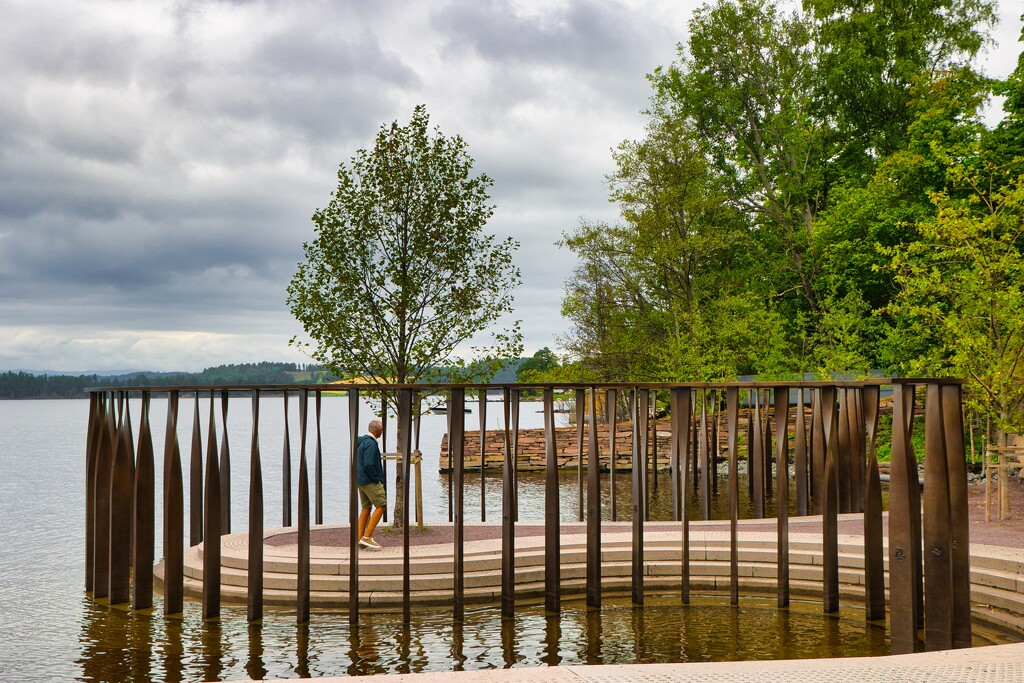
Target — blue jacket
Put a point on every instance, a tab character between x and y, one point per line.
368	464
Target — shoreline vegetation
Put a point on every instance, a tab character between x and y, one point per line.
22	385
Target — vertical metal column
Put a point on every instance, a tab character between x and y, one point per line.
845	451
938	538
593	507
101	507
302	575
705	458
225	468
800	454
673	450
384	448
610	398
830	503
732	409
874	568
902	583
353	508
145	514
483	453
682	439
552	545
120	511
318	467
508	539
756	464
636	469
195	479
782	491
817	478
952	420
254	598
404	417
211	524
857	450
286	471
91	445
766	444
456	446
581	402
515	455
644	412
173	509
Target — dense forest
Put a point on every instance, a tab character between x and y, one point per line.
816	191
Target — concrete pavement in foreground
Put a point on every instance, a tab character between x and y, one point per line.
998	663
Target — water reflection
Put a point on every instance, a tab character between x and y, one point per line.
119	645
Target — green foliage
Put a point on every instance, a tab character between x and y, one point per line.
815	191
961	286
538	366
401	273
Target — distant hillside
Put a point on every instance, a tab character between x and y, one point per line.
28	385
25	385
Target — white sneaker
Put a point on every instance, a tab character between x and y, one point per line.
370	544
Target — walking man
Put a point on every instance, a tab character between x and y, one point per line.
370	477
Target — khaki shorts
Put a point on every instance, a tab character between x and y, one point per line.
372	494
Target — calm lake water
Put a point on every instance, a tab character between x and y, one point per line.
49	630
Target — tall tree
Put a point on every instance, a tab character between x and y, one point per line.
870	54
401	272
746	83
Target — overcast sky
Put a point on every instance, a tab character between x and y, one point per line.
160	161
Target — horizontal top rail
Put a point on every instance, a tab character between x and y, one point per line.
566	386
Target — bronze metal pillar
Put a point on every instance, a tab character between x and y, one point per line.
211	526
874	568
508	534
225	468
732	408
196	500
800	455
610	399
682	439
552	546
637	554
938	566
705	458
593	507
145	514
404	417
902	581
302	577
483	453
782	491
121	512
830	503
845	459
173	508
91	445
286	471
101	507
643	415
952	419
581	402
254	598
353	507
817	477
456	446
318	467
755	466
